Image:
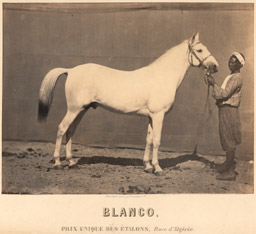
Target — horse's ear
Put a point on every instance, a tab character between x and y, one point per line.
194	38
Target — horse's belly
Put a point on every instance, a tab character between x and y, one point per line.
125	106
124	99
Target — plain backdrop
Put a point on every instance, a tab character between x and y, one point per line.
39	37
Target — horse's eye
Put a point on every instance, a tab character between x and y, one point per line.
199	51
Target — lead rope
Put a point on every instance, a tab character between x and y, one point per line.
201	124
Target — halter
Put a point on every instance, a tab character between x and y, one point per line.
192	52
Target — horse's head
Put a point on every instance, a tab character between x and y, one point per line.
199	55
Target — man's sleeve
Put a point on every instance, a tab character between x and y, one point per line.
231	87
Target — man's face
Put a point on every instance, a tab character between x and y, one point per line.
233	63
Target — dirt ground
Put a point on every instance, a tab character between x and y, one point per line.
27	169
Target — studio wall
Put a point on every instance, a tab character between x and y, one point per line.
39	37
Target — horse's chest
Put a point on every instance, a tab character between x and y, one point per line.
161	101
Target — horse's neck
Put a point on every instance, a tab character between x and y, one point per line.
173	64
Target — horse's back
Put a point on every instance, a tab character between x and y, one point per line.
96	74
93	69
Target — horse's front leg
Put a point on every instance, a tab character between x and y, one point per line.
157	120
149	141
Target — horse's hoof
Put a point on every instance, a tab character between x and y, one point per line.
149	170
159	173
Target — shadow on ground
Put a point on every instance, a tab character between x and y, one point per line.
164	163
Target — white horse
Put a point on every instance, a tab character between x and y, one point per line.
148	91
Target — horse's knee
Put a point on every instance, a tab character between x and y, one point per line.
60	132
156	143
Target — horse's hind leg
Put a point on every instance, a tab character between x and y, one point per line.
149	141
69	134
64	125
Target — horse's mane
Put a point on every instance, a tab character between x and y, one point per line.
168	53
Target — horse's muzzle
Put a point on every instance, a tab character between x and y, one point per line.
213	68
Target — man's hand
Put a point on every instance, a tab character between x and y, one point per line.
210	80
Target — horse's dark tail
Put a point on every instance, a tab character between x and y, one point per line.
46	92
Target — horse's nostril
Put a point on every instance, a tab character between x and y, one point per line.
213	68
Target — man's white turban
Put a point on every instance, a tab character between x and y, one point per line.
239	57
